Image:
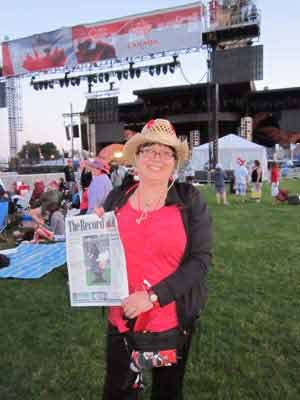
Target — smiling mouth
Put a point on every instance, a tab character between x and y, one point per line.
153	168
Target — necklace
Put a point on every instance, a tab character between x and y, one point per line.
150	205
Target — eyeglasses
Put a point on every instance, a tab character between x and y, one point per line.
151	154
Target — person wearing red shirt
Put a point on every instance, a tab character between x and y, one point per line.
275	177
166	232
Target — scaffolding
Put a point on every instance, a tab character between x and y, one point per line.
14	101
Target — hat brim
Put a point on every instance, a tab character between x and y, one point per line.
92	165
130	148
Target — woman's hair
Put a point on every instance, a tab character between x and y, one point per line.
149	144
52	207
257	163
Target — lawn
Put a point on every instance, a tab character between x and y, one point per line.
249	346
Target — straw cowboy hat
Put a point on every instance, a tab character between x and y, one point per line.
159	131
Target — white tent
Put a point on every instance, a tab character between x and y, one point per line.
231	147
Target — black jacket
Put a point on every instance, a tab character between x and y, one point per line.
187	285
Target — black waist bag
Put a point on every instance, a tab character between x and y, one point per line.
155	341
154	349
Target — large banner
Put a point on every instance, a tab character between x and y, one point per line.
138	35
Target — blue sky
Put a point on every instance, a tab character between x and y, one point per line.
280	33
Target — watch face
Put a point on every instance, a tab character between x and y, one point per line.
153	298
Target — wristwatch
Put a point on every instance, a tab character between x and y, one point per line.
153	297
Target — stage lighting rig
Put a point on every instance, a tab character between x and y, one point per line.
75	81
138	72
151	70
132	71
92	78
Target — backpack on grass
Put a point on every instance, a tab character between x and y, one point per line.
294	199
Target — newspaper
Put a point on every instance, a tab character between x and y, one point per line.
96	261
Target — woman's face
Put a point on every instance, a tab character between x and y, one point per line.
95	171
155	163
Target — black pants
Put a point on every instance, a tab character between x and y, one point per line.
167	382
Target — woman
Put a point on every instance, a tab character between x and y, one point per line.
256	179
39	188
55	227
166	233
100	185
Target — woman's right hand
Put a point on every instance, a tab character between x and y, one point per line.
99	211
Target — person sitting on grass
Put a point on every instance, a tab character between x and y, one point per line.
49	211
39	188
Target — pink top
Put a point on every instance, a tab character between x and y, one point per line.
153	250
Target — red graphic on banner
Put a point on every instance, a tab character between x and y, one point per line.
87	51
51	59
139	25
142	27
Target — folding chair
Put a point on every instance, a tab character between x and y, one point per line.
23	201
3	215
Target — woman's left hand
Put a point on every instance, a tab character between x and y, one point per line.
136	303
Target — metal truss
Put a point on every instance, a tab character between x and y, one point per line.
14	101
110	65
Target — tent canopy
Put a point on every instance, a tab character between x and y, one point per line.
231	147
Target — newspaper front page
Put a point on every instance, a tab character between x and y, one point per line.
96	261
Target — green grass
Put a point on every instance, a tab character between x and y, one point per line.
249	346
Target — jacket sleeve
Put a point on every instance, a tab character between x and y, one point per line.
194	266
115	199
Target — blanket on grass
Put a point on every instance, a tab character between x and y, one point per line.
32	261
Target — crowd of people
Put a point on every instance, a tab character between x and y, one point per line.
42	214
246	179
87	188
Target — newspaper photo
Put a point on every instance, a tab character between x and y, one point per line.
96	261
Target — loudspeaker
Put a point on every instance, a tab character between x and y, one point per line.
68	136
84	137
75	131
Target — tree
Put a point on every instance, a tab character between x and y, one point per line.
49	151
30	152
34	152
